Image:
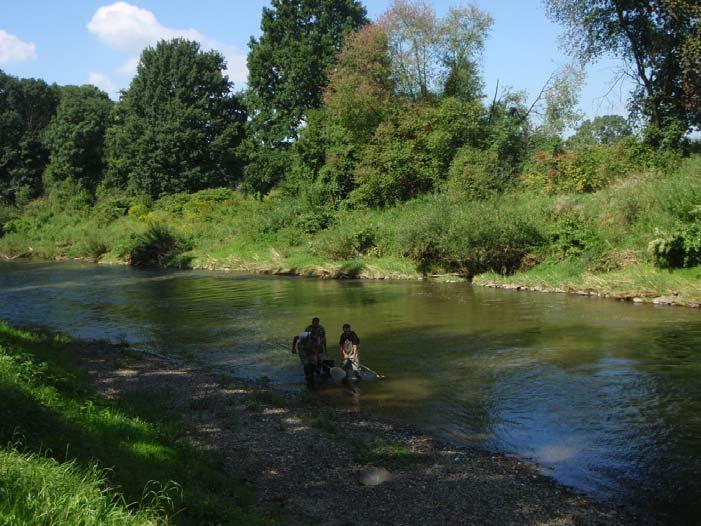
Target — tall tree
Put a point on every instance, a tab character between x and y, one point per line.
288	63
26	108
287	73
356	101
463	33
658	39
412	28
430	54
360	84
76	136
178	125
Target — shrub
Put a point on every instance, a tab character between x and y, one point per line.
17	226
572	234
347	243
476	174
677	249
110	209
314	220
482	238
586	169
397	165
159	247
468	238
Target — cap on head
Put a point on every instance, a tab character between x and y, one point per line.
346	326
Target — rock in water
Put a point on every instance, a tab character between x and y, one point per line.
374	476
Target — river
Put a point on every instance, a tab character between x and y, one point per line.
604	396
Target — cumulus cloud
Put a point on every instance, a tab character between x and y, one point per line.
12	49
103	82
129	28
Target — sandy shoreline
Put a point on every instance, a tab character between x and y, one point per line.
308	462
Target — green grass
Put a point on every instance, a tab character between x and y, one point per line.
599	239
35	489
639	280
392	455
124	461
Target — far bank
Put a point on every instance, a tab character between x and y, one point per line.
636	239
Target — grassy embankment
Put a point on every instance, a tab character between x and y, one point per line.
579	241
69	457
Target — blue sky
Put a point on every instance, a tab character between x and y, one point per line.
83	41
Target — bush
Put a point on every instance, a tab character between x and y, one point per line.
678	249
159	247
398	164
586	169
110	209
571	233
469	238
348	243
476	174
17	226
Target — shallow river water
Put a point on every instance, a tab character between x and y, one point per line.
605	396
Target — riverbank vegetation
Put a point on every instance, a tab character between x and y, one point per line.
372	149
70	457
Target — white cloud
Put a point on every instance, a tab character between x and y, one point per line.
129	28
12	49
103	82
129	67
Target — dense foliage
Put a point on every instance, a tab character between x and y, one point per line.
659	39
26	108
178	125
75	137
345	120
287	72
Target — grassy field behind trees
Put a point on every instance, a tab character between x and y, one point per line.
372	149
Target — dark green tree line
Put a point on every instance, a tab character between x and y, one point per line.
26	108
75	137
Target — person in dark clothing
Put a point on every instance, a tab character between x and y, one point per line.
308	345
349	347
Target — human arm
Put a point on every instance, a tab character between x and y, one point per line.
294	344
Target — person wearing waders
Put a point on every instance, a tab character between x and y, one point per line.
322	342
349	346
307	345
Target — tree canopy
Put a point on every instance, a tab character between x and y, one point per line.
660	40
288	63
604	130
431	55
26	108
178	125
76	136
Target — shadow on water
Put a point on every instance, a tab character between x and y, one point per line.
606	396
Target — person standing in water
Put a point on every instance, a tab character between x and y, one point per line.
319	330
349	347
307	345
316	326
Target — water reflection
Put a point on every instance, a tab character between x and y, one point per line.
607	396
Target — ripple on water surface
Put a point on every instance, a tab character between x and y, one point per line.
605	396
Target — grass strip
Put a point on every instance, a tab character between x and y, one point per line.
71	457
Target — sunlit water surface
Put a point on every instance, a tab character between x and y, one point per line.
605	396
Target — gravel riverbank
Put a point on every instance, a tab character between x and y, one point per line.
312	464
